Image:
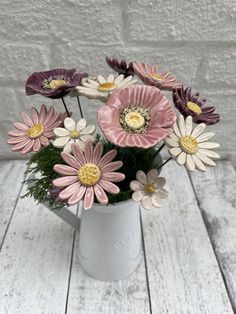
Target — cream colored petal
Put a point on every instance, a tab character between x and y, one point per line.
61	132
206	160
208	145
181	125
204	137
198	163
176	130
89	85
173	136
188	125
209	153
110	78
162	193
61	141
138	195
152	175
119	79
141	177
81	124
156	200
181	158
86	89
69	124
88	130
146	202
125	81
67	147
175	151
136	185
171	143
101	79
87	137
80	143
92	82
189	164
198	130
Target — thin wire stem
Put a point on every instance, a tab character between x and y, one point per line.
159	149
80	109
164	163
63	101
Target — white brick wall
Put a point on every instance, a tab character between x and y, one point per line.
196	40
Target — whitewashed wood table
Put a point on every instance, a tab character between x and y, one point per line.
189	252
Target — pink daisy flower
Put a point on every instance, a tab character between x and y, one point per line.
150	76
88	174
35	131
136	116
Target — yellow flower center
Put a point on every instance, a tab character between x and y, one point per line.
89	174
194	107
74	134
150	188
56	83
157	77
35	131
188	144
134	120
107	87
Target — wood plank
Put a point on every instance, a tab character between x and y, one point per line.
215	191
11	176
35	261
90	296
182	270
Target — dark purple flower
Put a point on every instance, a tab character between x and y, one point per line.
121	66
54	83
190	104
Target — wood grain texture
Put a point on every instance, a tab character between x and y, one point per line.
182	270
90	296
11	176
35	261
216	194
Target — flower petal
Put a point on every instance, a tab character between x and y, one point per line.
189	164
175	151
98	152
206	160
78	154
156	200
60	141
100	194
88	151
77	195
112	166
181	125
110	78
27	119
204	137
198	130
81	124
67	147
88	130
65	181
44	141
152	175
89	198
35	115
188	125
65	170
42	113
138	195
170	142
107	158
209	153
198	163
160	182
20	126
67	192
146	202
181	158
71	160
80	144
61	132
141	177
28	147
37	145
208	145
136	185
113	176
69	124
109	186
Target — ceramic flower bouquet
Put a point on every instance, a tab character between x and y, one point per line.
137	121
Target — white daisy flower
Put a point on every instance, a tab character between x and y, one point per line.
101	88
190	147
149	189
73	133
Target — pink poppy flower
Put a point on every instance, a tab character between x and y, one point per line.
150	76
136	116
35	131
88	174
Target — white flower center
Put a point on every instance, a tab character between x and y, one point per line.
134	120
89	174
35	130
188	144
194	107
107	87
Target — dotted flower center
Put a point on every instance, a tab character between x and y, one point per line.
35	131
74	134
194	107
135	119
157	77
150	188
107	87
53	83
188	144
89	174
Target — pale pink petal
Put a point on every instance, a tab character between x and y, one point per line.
64	181
35	115
89	198
109	187
146	202
112	166
52	126
27	119
20	126
88	151
141	177
42	113
136	185
77	195
44	141
152	175
66	170
37	145
28	147
54	122
78	154
100	194
16	140
98	152
113	176
107	158
49	134
70	160
20	145
138	195
16	133
67	192
49	115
